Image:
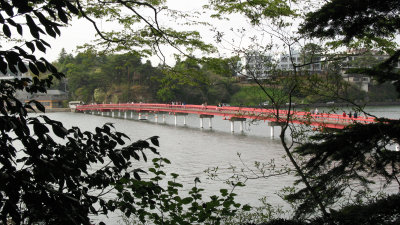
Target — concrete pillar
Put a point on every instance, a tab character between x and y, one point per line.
131	114
232	126
175	119
156	118
163	118
125	115
119	113
241	126
92	112
184	120
272	131
140	116
147	116
210	123
113	113
201	122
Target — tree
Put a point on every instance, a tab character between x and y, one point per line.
45	168
324	166
360	153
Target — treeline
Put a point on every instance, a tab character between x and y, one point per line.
96	78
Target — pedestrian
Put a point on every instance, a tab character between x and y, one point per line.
350	114
355	115
316	111
344	114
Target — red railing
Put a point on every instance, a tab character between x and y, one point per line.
322	119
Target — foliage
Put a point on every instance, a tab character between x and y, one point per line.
166	205
92	76
368	21
54	175
255	10
343	165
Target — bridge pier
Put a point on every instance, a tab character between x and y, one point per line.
119	114
206	116
147	116
140	116
156	118
175	119
113	113
131	114
272	126
125	115
163	118
184	120
233	119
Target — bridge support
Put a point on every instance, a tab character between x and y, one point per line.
125	115
206	116
92	112
131	114
147	116
113	113
233	119
175	119
119	114
273	125
184	120
163	118
156	118
140	116
102	113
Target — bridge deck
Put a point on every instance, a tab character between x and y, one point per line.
228	112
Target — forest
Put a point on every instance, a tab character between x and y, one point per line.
117	78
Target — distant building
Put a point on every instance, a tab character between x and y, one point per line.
286	62
51	99
255	64
361	58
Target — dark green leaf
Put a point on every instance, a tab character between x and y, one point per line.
61	14
30	45
22	68
40	46
6	30
42	68
33	68
154	140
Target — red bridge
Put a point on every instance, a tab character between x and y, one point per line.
327	120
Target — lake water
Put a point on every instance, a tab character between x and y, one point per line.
193	150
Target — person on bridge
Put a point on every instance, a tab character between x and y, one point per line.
355	115
344	114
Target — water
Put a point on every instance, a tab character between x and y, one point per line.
193	150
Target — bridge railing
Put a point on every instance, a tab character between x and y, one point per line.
229	110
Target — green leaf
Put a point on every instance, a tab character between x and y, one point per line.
187	200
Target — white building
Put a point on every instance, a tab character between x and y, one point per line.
288	61
255	64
